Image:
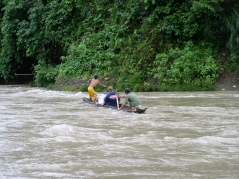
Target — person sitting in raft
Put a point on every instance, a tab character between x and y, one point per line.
131	99
94	82
112	97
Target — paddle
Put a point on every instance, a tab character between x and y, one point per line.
117	102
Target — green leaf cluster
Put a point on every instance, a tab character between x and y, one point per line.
188	69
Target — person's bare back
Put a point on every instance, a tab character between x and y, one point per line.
94	82
91	90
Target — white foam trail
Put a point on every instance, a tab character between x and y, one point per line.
60	130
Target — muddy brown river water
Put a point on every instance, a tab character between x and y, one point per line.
53	134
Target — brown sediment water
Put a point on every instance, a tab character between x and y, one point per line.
53	134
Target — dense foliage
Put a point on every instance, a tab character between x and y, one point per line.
146	45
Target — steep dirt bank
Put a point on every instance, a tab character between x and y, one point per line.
228	81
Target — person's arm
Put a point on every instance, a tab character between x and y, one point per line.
101	84
123	105
122	96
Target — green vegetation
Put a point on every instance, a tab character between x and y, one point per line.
147	45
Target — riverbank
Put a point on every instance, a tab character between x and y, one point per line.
228	81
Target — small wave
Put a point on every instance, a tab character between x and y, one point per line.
213	140
41	93
59	130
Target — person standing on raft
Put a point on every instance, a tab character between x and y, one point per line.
94	82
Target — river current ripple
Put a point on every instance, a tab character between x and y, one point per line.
53	134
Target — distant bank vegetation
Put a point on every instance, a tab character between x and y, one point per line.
147	45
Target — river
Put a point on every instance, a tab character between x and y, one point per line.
53	134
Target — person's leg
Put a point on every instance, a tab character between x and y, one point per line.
130	107
95	97
92	93
138	108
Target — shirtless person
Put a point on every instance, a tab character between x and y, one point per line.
94	82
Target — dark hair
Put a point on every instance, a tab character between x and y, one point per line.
96	76
127	90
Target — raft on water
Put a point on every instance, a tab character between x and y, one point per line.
126	108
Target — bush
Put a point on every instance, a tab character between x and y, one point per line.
233	63
189	69
45	75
